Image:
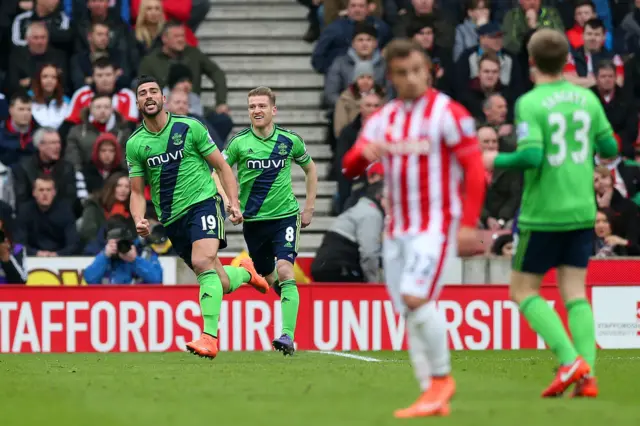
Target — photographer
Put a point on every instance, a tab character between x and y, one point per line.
351	249
12	257
123	260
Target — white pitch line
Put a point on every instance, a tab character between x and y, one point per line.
348	355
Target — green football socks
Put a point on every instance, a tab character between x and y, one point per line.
237	277
210	300
290	301
545	321
583	331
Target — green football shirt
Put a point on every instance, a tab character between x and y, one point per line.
264	172
173	163
565	121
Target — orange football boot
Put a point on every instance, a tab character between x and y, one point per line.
433	402
566	376
257	281
586	388
206	346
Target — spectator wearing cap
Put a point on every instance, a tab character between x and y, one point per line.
468	66
422	31
336	38
348	105
442	22
16	132
98	119
478	13
26	60
523	20
45	224
368	105
47	161
98	47
362	58
106	160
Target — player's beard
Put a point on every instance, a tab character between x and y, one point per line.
159	108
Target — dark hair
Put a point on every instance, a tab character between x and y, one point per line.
143	79
595	24
364	28
20	95
605	64
500	242
98	96
474	4
171	24
102	63
581	3
45	178
106	196
38	91
416	25
96	24
177	74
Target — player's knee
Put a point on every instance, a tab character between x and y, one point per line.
413	302
285	270
202	262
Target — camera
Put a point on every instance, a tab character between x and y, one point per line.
123	237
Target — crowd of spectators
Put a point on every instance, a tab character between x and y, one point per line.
67	107
479	56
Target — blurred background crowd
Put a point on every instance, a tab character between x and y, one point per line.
67	69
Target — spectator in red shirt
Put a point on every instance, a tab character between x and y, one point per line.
174	10
584	10
582	63
104	82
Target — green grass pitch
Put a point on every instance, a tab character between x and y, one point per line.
309	389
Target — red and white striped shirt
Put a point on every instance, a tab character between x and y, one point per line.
430	142
124	103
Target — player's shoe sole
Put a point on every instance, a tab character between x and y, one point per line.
586	388
284	344
258	282
205	347
566	376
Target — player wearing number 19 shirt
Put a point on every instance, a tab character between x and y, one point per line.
173	154
429	152
557	125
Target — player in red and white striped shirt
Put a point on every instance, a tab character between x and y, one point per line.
434	181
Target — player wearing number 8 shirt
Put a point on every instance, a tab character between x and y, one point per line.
272	218
435	184
173	154
557	124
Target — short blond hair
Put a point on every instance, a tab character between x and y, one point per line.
549	50
263	91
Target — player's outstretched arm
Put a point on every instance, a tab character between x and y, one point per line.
228	181
311	181
138	206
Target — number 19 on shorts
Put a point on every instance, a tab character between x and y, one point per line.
208	222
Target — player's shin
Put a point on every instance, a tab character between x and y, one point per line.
290	301
210	300
418	354
237	277
583	332
430	323
545	321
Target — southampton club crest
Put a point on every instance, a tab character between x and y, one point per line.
282	149
177	139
